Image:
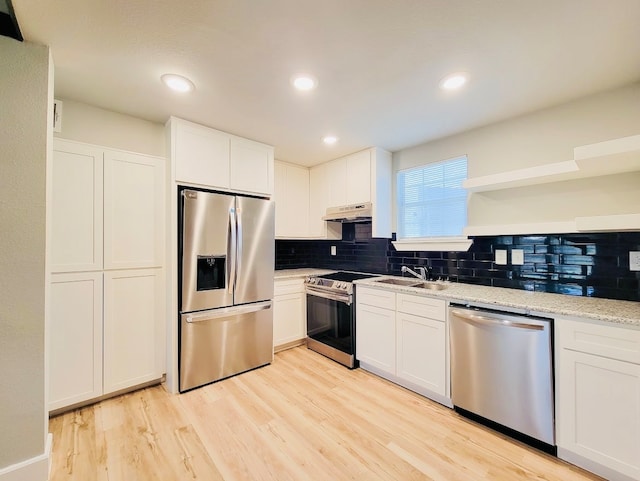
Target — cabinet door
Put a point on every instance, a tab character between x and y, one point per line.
291	194
599	410
134	341
251	166
134	210
288	319
280	198
75	338
319	196
76	212
376	337
421	352
358	177
201	154
337	175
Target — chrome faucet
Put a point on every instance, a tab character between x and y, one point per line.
422	275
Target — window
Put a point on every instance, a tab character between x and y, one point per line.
432	204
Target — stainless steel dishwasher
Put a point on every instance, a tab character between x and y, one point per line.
501	370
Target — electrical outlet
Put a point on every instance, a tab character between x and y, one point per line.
634	260
501	257
333	250
517	257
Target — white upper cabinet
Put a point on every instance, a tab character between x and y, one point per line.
338	185
201	154
357	178
107	210
350	179
134	211
319	194
291	195
76	212
251	166
218	160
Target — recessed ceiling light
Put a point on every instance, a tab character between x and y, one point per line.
177	82
304	82
330	139
453	81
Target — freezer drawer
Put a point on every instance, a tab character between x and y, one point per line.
501	369
219	343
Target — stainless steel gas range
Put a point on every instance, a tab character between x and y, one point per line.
331	315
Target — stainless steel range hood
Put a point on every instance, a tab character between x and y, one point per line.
350	213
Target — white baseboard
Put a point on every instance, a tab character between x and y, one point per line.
34	469
593	466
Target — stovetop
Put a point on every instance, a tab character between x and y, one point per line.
338	281
346	276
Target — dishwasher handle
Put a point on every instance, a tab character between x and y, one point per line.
492	321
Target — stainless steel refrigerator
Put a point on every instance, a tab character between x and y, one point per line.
226	264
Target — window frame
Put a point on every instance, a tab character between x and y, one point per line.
433	243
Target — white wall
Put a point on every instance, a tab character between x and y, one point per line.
543	137
25	137
93	125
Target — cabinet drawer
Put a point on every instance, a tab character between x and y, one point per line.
288	286
376	297
422	306
608	341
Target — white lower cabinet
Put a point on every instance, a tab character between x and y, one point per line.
421	352
598	398
403	338
107	333
75	338
133	328
376	338
289	313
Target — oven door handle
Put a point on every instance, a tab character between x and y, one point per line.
331	295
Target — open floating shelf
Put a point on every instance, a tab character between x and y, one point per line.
593	160
602	158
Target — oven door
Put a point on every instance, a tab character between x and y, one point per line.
330	324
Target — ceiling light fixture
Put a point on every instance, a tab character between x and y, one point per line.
330	139
304	82
177	82
453	81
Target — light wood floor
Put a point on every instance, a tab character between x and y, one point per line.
304	417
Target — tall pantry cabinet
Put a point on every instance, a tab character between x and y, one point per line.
107	270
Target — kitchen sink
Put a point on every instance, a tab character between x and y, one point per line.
431	285
434	286
400	282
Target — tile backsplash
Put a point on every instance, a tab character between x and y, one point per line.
595	265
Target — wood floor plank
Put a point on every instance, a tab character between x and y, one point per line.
302	418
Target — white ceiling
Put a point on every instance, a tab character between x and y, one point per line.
378	62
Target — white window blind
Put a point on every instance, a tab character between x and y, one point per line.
432	201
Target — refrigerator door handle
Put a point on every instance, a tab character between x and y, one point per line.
227	312
232	254
239	240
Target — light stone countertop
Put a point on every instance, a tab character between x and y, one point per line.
516	300
295	273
